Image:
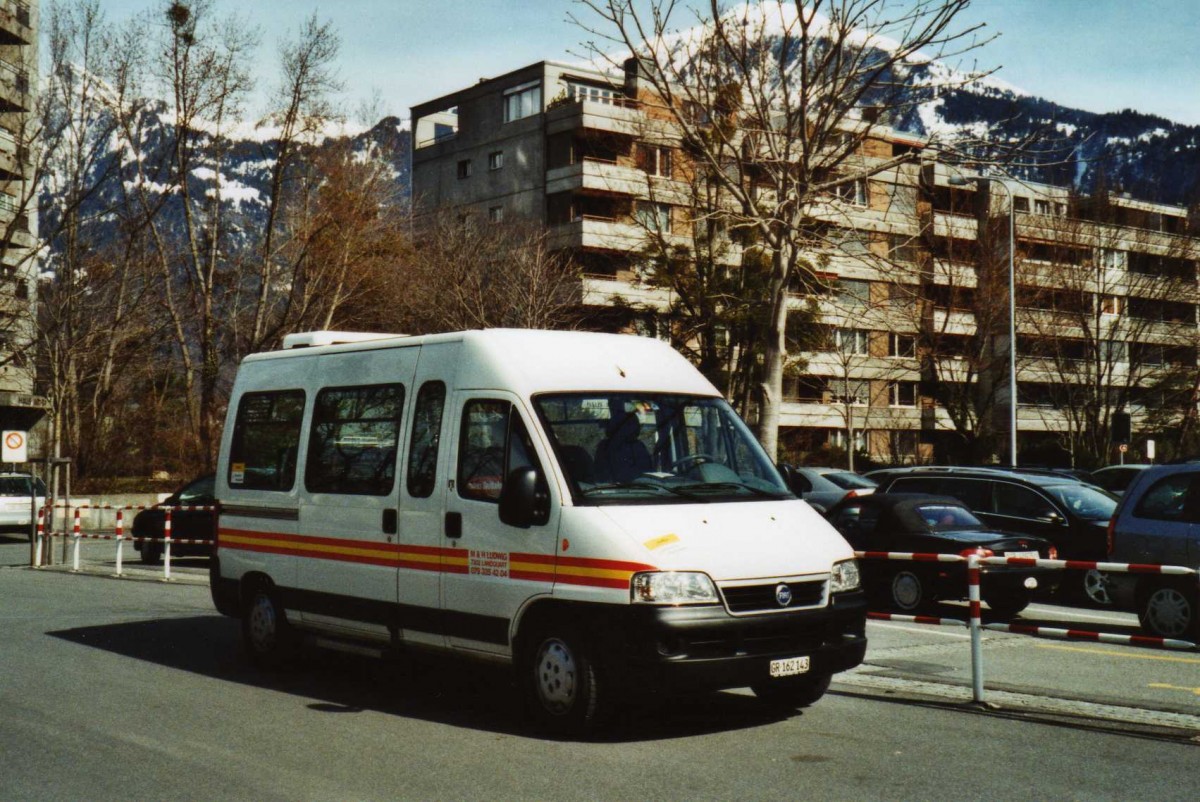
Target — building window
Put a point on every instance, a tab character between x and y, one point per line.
854	192
902	345
495	214
851	341
853	292
654	217
464	168
655	160
596	94
902	248
902	394
849	391
1113	351
1020	203
1111	259
1111	304
837	439
522	101
495	160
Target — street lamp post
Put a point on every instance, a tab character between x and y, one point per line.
1012	310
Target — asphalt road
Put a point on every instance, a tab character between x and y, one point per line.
135	689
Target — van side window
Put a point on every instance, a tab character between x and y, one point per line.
426	432
493	442
352	448
1166	500
266	438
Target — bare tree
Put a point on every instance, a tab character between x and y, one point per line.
769	100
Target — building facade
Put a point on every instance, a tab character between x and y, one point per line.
910	294
21	408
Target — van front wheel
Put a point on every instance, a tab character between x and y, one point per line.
563	684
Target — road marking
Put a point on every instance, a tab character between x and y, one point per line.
1111	653
929	630
1168	687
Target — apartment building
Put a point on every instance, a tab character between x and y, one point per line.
912	289
20	407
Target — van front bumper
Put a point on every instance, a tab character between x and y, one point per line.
707	648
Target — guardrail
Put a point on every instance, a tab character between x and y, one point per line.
77	535
974	622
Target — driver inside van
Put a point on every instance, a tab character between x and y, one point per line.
622	456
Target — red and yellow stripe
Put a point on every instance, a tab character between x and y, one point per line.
584	571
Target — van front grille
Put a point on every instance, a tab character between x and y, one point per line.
764	598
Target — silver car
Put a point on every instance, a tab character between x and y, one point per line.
15	507
824	487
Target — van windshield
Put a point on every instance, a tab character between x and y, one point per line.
656	448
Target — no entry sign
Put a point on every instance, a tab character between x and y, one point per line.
14	446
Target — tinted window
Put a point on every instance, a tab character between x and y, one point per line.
975	493
1086	502
266	438
426	432
1166	499
19	486
1021	502
946	517
920	484
352	448
201	491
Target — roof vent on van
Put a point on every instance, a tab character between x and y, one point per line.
313	339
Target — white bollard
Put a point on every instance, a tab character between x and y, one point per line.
167	547
976	625
120	537
75	545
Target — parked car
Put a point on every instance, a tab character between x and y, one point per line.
927	524
185	524
824	487
1115	478
1158	523
16	511
1070	514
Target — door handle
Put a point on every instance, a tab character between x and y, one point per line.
454	525
389	522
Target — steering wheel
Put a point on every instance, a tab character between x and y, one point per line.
690	459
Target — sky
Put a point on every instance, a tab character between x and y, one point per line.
1097	55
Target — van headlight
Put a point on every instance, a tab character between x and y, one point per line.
844	576
673	587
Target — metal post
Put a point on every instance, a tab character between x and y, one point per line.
976	624
41	535
167	546
75	546
120	535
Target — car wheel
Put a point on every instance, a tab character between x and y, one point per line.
563	685
1168	610
1095	587
268	637
908	591
152	552
1009	605
792	692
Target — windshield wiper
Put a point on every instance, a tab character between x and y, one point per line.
758	491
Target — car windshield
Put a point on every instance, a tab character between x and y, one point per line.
849	481
19	486
1088	503
947	517
656	448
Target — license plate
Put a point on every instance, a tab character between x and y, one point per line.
1032	555
789	666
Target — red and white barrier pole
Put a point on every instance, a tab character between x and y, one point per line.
167	546
1096	637
41	538
75	545
976	625
120	535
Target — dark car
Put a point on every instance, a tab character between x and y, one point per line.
1115	478
185	524
926	524
824	487
1070	514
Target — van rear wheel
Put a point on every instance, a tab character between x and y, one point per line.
563	684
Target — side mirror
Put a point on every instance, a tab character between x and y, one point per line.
1053	517
789	477
522	501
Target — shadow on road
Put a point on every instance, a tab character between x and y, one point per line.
457	693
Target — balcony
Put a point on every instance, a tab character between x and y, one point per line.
595	175
608	115
589	232
13	157
14	87
605	290
16	23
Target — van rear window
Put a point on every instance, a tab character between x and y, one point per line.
266	438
